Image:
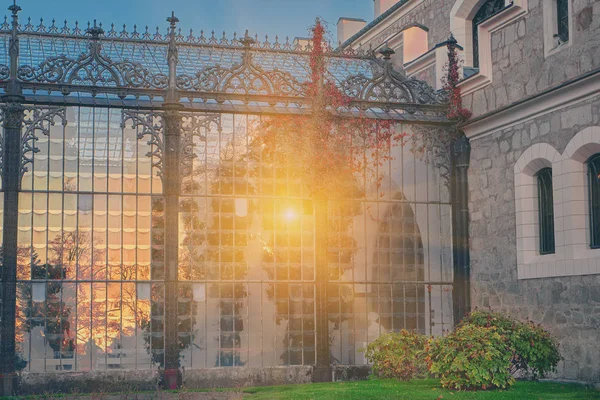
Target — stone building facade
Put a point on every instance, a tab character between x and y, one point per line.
535	97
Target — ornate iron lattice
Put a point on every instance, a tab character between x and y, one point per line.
389	86
594	193
487	9
545	211
91	69
562	17
210	39
36	120
149	124
153	79
4	72
194	125
239	72
243	78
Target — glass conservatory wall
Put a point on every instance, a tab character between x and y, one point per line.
91	252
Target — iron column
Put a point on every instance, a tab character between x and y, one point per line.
171	190
13	113
461	153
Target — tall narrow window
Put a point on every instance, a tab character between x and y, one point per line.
546	211
487	9
594	182
562	19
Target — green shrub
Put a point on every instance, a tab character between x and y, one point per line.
470	358
398	355
533	348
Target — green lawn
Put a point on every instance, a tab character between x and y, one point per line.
363	390
417	390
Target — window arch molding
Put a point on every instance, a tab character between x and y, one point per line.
461	26
574	255
576	195
533	160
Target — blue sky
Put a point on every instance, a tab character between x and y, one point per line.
273	17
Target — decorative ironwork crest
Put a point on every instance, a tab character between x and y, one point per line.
4	72
149	124
91	69
242	78
390	86
37	119
194	126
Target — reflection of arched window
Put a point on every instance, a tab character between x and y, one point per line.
486	10
594	191
546	211
397	267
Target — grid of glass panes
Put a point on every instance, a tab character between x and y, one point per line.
246	254
90	249
91	239
390	257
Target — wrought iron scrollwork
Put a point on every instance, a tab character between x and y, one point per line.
4	72
242	78
92	69
390	86
194	125
37	120
149	124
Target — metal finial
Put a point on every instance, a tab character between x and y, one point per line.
387	52
452	40
247	41
95	31
14	8
173	20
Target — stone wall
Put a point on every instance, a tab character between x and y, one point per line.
520	68
431	13
149	380
204	378
568	306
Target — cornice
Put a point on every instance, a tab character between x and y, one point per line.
555	98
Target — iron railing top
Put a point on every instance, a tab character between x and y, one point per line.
69	65
202	39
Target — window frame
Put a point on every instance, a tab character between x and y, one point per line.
461	16
593	175
547	236
482	15
552	42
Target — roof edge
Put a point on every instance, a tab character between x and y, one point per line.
351	19
373	23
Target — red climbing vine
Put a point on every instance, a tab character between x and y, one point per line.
455	109
331	152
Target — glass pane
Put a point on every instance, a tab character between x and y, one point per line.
546	211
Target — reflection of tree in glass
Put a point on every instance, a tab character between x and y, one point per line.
105	313
227	241
287	228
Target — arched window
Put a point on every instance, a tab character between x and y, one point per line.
487	9
545	211
594	190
